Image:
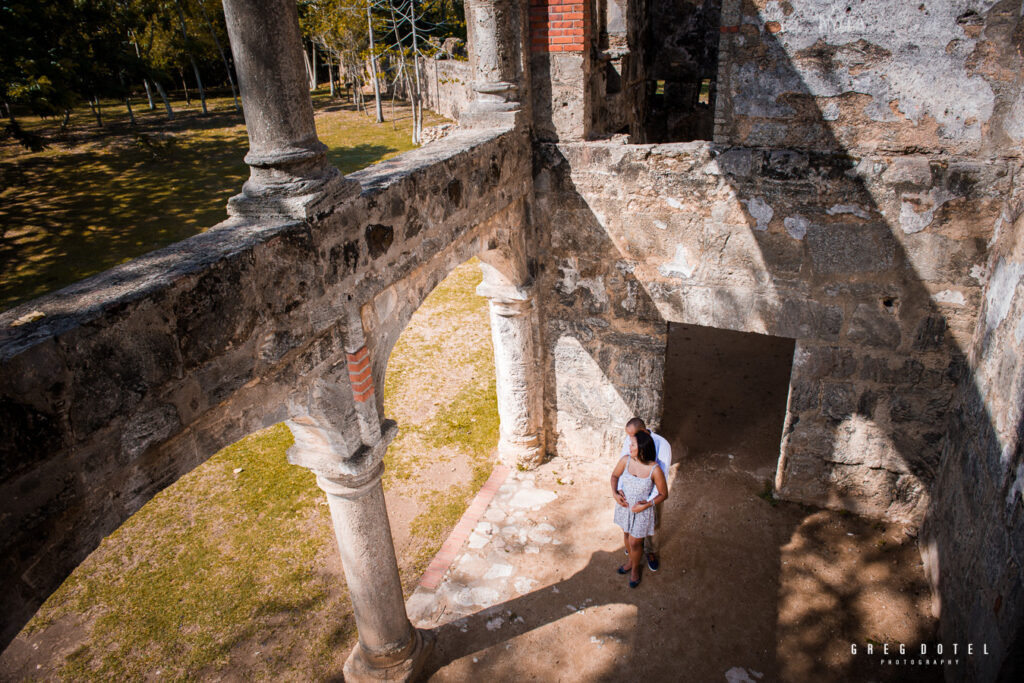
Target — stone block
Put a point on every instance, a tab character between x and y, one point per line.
804	395
808	319
838	400
28	437
847	248
208	316
147	428
815	361
872	325
736	162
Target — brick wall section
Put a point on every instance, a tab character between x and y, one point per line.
359	375
558	25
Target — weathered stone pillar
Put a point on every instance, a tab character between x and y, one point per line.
389	648
520	404
495	37
289	172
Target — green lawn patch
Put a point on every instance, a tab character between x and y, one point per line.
97	197
204	568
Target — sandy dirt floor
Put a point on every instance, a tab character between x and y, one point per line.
748	590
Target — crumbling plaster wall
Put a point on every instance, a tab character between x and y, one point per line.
880	75
134	377
776	242
973	540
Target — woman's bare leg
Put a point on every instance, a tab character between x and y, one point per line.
636	551
625	542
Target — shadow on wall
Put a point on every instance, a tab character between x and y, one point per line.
865	260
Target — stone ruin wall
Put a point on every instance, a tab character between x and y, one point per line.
447	90
815	215
775	242
878	76
845	201
973	539
137	375
861	195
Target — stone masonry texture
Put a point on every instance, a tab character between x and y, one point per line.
857	189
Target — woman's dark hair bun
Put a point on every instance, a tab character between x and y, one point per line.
646	451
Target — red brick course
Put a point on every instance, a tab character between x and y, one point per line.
359	374
450	548
558	25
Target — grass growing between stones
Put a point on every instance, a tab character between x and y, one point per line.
190	582
100	196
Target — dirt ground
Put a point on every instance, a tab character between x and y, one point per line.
749	589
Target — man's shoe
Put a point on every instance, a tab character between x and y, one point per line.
652	562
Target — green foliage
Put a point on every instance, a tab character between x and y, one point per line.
767	493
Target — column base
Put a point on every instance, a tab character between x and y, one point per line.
491	115
359	669
527	454
300	200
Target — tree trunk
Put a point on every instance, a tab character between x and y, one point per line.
184	84
63	124
145	81
309	70
195	69
373	68
97	110
330	73
199	83
216	41
163	96
131	114
312	52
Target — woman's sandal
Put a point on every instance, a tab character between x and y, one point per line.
623	570
634	584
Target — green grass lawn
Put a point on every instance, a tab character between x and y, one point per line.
102	196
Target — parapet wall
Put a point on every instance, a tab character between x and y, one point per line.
123	382
875	266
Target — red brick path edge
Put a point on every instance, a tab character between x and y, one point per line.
450	548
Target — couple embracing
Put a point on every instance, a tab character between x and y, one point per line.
639	485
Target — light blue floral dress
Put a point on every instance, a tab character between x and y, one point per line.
636	489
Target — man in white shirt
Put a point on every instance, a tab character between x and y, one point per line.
664	455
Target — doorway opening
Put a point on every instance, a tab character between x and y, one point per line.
681	66
725	395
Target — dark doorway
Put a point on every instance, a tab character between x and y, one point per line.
725	395
681	55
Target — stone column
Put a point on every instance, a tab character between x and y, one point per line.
495	36
289	171
389	648
520	406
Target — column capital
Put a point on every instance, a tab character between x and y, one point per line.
353	486
518	299
324	452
